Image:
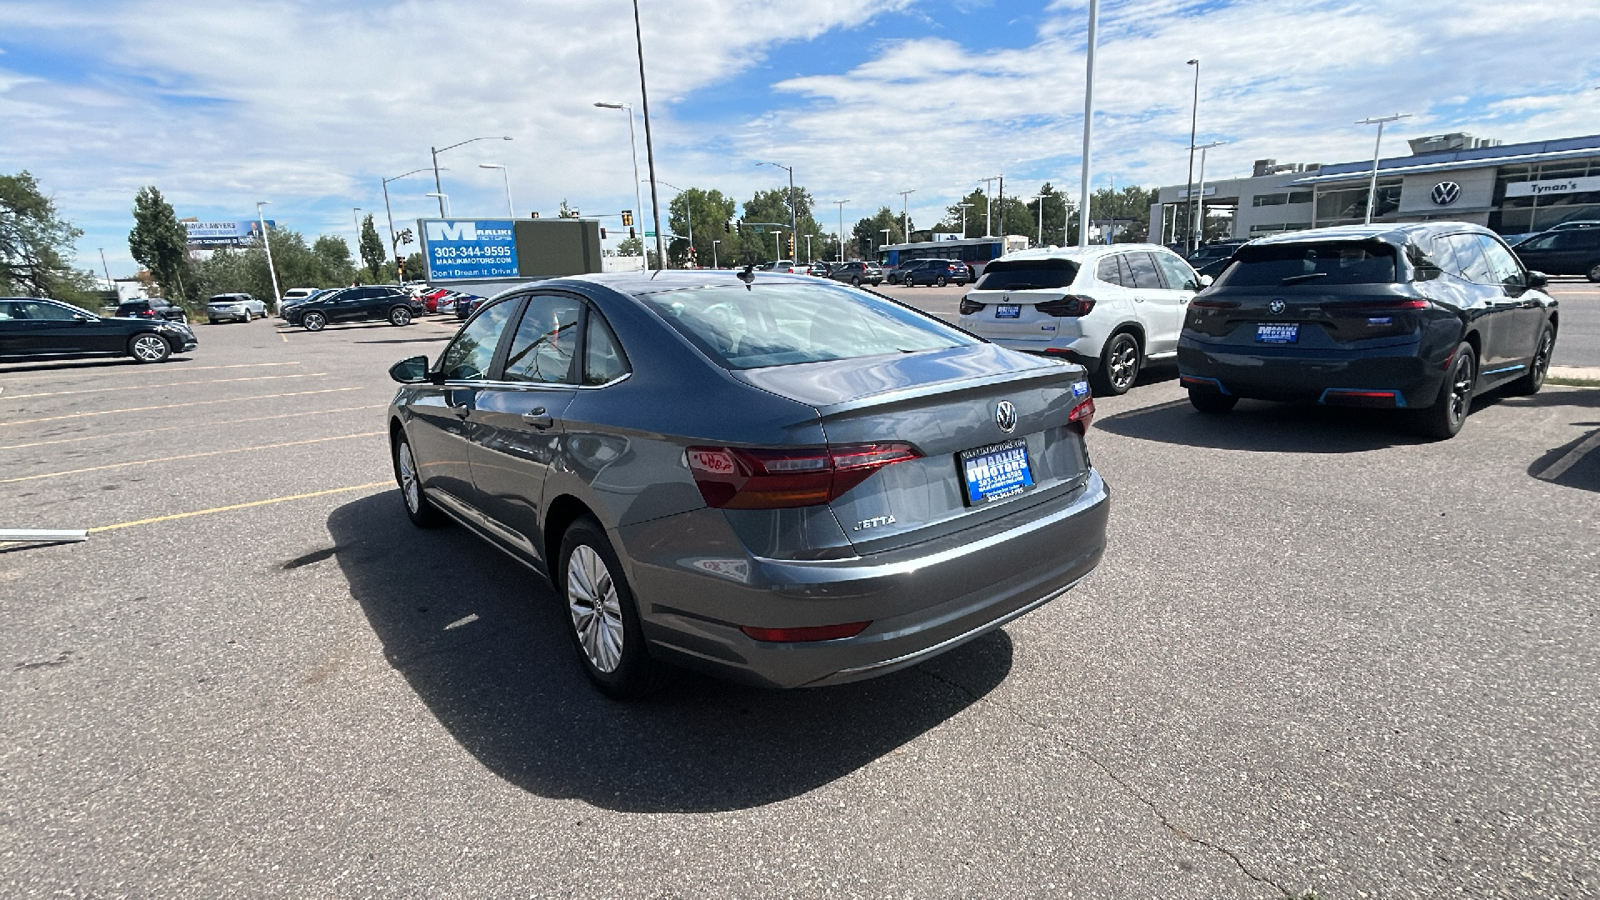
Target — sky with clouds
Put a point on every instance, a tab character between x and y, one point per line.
310	104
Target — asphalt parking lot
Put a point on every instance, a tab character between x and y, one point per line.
1320	655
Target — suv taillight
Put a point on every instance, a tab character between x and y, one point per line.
1067	307
741	478
968	307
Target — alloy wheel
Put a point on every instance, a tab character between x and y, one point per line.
1461	390
408	478
1124	364
595	607
150	348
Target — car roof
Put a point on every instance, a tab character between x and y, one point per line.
1399	233
1093	251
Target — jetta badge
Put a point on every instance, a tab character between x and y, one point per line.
1005	415
1276	306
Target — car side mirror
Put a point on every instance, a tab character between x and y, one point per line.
80	317
1538	280
410	371
1205	281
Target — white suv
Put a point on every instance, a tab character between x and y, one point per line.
1111	308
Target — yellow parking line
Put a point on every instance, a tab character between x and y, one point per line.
124	434
107	412
218	509
124	387
162	459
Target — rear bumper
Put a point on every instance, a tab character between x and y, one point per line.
921	600
1291	374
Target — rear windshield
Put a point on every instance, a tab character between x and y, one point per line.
1027	274
1282	265
785	324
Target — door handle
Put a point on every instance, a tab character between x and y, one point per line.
538	418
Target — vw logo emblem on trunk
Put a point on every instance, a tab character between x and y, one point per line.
1446	193
1276	306
1005	415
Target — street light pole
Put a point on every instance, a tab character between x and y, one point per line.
267	240
988	205
1088	127
649	145
794	209
110	285
1201	205
841	227
511	209
388	211
355	218
444	203
439	188
964	208
633	143
1188	196
905	221
714	254
1377	148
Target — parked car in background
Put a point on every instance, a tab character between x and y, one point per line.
234	308
857	273
294	295
37	327
153	308
1214	268
1416	316
1112	308
1572	251
786	266
286	305
1207	253
1516	239
786	482
356	304
466	304
936	272
819	268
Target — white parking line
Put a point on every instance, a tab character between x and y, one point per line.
162	459
134	409
188	426
1560	466
124	387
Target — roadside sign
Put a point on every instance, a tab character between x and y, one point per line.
469	248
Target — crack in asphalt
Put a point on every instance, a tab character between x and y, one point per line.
61	659
1120	782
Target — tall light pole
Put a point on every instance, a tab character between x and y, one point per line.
905	220
1088	124
841	227
794	209
688	212
1377	148
444	203
633	142
649	146
511	209
714	254
110	285
390	212
964	208
439	188
885	233
267	240
1201	205
988	204
355	218
1188	196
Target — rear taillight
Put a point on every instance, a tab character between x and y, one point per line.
806	633
1067	307
741	478
1082	415
969	307
1368	307
1212	304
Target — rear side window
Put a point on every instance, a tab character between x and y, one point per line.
786	324
546	340
603	361
1027	274
1112	271
1284	265
1144	271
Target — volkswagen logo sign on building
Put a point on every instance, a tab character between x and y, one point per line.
1005	415
1446	193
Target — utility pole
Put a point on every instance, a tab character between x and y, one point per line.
1088	127
905	220
988	205
1377	148
1188	196
841	227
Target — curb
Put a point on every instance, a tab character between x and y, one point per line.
1585	373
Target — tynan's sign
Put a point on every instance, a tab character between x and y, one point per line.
469	248
1553	186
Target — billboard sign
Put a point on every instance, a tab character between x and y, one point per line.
457	249
223	234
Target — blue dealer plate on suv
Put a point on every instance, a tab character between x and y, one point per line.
1275	333
1008	311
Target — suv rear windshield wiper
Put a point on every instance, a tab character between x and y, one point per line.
1296	279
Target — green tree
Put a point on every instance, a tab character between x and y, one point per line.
159	242
333	259
1129	207
705	214
35	243
373	253
869	233
1056	209
326	263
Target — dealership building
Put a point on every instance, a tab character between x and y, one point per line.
1511	188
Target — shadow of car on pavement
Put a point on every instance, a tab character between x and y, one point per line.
483	643
1265	427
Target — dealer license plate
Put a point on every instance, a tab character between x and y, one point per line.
996	471
1276	333
1007	311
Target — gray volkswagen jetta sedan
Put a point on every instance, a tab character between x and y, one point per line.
775	479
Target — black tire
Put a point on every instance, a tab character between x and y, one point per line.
314	321
1120	363
855	281
149	348
941	281
1443	420
1531	382
1211	402
1594	273
419	509
624	669
400	315
211	321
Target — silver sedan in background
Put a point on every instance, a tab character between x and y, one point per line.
775	479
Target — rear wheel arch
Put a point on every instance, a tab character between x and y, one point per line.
563	511
1133	328
1476	342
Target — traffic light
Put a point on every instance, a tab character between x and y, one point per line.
400	266
627	217
535	215
727	227
791	245
602	232
631	235
738	226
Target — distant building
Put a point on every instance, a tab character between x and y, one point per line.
1511	188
